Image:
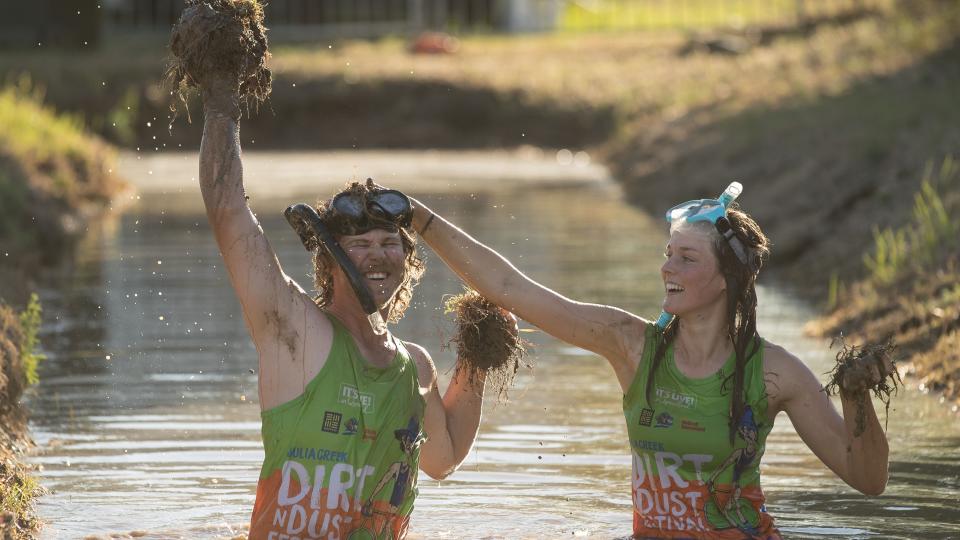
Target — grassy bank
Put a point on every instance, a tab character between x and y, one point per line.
18	362
54	175
911	293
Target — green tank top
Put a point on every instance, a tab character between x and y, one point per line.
688	480
341	460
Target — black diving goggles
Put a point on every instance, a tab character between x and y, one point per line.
356	213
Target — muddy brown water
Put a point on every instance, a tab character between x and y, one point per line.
146	416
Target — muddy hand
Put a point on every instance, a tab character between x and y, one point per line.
204	64
221	94
866	373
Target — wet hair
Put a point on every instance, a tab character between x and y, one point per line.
324	264
741	313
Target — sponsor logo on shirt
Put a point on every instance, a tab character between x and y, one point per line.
664	420
369	434
350	428
316	454
639	444
646	417
331	422
351	397
690	425
664	395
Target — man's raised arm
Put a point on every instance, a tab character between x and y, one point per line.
250	260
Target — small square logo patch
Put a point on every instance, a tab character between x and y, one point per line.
331	422
664	420
646	417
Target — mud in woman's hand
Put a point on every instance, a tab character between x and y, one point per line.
866	372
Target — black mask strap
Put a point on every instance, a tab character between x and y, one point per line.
735	243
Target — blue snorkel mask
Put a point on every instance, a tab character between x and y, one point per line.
711	211
705	209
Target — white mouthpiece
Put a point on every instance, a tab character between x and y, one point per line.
731	193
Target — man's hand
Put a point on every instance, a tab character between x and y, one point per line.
221	48
221	95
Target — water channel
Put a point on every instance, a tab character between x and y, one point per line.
146	417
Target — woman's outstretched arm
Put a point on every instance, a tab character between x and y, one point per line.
608	331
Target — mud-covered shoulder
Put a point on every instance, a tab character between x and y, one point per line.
636	332
782	373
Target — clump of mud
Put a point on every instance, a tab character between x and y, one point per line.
488	342
220	47
861	370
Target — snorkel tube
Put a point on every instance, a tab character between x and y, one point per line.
313	233
728	196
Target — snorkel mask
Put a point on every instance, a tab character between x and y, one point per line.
711	211
353	212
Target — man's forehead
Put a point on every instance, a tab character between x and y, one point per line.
372	234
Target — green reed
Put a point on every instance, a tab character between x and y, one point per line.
931	232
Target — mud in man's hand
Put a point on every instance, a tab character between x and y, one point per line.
220	47
488	340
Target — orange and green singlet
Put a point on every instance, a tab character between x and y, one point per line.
341	460
688	481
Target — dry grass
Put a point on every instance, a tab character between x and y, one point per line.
17	487
640	80
638	73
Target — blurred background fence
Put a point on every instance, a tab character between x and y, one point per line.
83	22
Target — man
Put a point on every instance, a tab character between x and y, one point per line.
335	396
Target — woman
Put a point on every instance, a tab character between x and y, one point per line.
701	394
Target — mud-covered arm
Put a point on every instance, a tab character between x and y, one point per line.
450	422
859	459
608	331
265	293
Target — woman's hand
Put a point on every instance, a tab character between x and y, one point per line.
421	216
865	373
515	329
